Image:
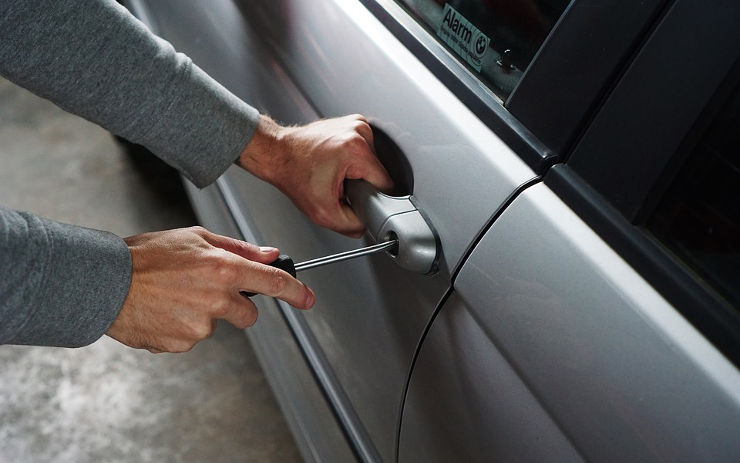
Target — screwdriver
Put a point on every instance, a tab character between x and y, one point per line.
285	262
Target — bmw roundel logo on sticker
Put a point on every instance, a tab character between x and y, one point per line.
462	36
481	44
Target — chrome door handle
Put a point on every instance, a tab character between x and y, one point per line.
396	217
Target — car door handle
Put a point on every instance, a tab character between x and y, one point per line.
396	217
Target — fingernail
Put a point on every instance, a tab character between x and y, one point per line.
267	249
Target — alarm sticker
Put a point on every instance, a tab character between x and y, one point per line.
463	37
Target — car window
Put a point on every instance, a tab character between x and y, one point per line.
496	39
699	216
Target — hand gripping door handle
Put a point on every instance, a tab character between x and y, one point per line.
396	217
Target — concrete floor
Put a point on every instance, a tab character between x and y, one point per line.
107	402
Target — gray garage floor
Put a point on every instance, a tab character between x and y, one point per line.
107	402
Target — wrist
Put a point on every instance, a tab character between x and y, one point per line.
264	153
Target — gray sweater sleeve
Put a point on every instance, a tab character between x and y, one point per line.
63	285
59	285
93	59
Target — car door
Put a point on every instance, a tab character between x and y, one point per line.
453	125
598	317
302	60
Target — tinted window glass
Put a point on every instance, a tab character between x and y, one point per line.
699	217
496	39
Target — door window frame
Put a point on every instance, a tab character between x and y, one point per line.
621	167
537	121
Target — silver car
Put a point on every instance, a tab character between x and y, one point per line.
567	281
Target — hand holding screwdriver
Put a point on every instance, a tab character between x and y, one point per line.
184	280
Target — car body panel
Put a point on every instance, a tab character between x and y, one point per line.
467	403
370	313
619	371
546	344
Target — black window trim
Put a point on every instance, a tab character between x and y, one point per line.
585	181
582	57
621	144
489	108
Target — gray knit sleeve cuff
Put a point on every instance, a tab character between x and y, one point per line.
73	284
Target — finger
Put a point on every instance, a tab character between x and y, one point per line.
242	312
369	168
358	117
350	225
271	281
364	129
262	254
339	217
333	213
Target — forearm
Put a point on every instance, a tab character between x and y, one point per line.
61	285
92	58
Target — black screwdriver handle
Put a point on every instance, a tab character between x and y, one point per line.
283	262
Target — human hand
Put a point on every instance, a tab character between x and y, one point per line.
185	279
310	163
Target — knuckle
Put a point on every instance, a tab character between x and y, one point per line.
223	269
247	246
220	308
322	217
176	346
198	230
201	331
360	125
357	142
250	318
278	281
352	142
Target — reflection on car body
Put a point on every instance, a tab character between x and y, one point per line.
583	304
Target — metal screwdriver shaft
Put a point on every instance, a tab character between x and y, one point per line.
313	263
286	263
